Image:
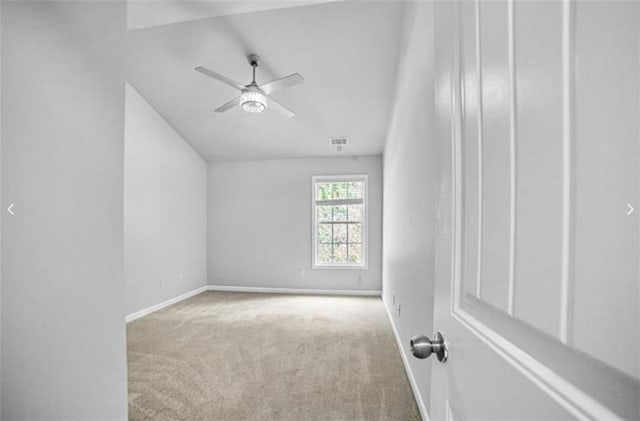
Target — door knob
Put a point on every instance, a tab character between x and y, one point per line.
422	347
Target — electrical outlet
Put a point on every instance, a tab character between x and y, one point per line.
181	278
302	275
393	299
398	309
359	279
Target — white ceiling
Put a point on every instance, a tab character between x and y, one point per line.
146	13
346	51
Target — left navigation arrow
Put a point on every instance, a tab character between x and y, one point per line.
9	209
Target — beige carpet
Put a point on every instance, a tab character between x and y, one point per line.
245	356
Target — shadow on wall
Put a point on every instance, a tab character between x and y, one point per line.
410	196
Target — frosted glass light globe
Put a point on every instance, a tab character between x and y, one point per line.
253	101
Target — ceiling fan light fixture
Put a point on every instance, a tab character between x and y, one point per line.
253	101
253	97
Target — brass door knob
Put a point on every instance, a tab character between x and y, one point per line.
422	347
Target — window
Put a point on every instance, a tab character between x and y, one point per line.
340	221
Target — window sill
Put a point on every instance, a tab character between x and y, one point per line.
340	267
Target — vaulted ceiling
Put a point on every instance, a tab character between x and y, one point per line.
346	51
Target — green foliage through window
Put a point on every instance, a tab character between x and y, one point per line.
339	222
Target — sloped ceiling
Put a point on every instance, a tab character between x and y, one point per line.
346	51
147	13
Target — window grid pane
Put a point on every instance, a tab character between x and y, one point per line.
347	229
342	243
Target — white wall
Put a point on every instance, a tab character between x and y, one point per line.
1	214
165	209
63	331
260	223
410	192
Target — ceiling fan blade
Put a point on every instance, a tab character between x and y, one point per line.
235	102
276	106
282	83
219	77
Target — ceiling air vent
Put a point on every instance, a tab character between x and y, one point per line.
338	142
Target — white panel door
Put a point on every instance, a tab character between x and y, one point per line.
537	282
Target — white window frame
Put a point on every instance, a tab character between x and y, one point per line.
365	221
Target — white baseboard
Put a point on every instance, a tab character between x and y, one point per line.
145	311
405	361
367	293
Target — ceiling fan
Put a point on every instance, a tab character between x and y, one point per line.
255	98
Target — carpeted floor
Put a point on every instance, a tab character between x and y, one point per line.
246	356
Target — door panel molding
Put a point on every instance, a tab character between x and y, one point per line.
567	182
480	143
573	399
614	389
526	356
567	170
512	159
